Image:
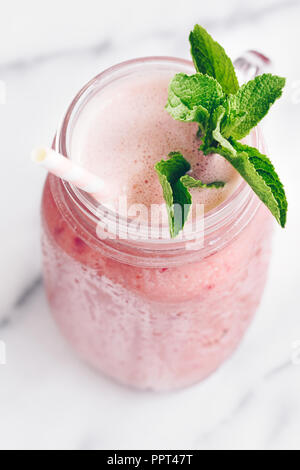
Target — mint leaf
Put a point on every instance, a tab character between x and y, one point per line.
254	167
250	104
259	173
173	168
213	134
181	208
192	98
190	182
176	195
211	59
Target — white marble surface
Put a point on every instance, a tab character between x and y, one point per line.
50	400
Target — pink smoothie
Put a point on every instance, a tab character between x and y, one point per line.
148	318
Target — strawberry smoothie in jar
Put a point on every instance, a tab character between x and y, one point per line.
150	311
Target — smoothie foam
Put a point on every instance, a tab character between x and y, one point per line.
125	130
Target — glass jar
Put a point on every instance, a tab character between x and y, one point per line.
151	313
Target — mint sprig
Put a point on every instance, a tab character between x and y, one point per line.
175	183
227	113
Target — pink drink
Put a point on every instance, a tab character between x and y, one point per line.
149	313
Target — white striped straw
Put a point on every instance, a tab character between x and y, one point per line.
69	171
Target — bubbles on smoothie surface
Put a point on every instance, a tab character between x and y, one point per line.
124	130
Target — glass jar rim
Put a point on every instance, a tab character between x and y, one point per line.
240	206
